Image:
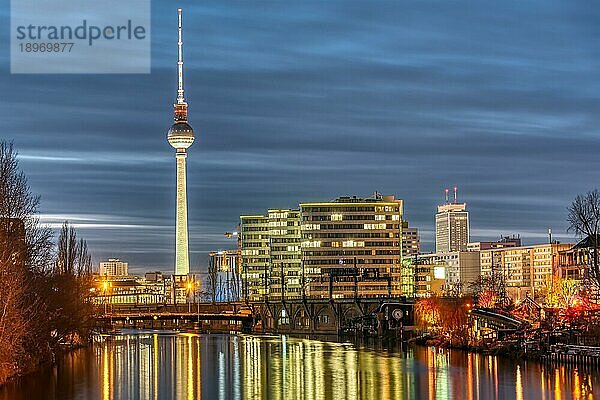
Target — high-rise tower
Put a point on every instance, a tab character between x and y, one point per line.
451	226
181	136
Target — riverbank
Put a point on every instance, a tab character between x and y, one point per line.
560	354
45	363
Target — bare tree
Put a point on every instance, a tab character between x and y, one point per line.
71	280
18	203
44	301
213	281
66	257
72	257
489	291
584	220
25	256
84	259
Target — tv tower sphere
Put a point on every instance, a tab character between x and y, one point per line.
181	135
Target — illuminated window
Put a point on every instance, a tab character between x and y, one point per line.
311	227
336	217
352	243
374	226
309	243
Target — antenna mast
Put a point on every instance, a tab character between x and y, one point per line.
180	99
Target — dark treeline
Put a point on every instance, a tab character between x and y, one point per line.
44	287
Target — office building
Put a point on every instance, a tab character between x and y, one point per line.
430	276
284	253
449	273
254	236
114	267
411	241
270	253
525	269
505	241
451	227
352	247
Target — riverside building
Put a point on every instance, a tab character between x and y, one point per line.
352	247
339	249
271	258
254	246
525	269
446	273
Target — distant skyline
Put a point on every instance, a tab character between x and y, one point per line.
312	100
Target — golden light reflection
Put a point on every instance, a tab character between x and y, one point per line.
190	369
247	367
155	352
470	376
518	384
543	384
477	374
198	370
557	389
495	368
576	385
106	395
431	372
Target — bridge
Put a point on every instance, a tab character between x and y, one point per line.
206	317
298	316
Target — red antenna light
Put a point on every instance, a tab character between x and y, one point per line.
447	190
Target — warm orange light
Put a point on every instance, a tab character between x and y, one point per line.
575	302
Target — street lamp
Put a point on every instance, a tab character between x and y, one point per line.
189	286
105	287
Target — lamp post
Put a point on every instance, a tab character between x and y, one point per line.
190	286
105	286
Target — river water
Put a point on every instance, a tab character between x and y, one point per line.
163	365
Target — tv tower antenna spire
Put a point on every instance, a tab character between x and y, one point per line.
180	99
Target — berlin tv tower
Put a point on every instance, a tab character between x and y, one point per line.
181	136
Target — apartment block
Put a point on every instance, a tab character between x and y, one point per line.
411	241
505	241
114	267
256	262
525	269
446	273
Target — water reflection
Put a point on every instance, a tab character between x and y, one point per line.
155	365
